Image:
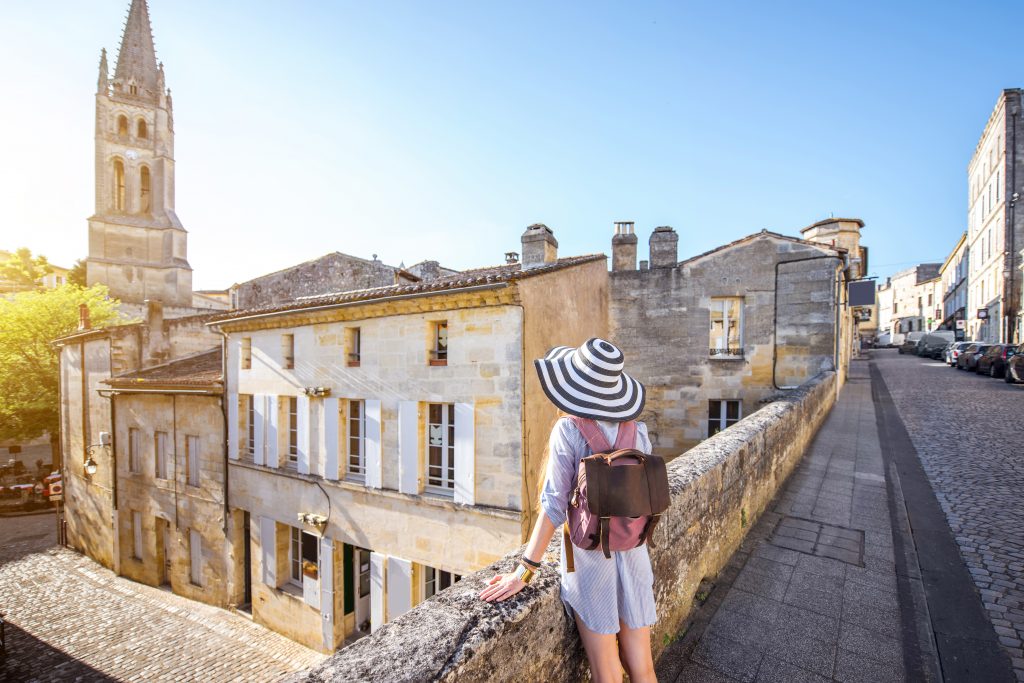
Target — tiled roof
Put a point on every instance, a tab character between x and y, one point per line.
464	279
200	369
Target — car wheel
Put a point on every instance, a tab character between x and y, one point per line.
992	371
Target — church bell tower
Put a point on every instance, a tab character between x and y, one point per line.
137	245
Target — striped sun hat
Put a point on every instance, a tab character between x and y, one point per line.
589	382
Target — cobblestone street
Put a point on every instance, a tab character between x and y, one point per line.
966	429
68	619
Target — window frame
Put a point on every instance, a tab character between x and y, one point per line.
245	354
720	305
296	540
723	419
288	351
193	465
447	446
161	471
292	413
359	473
250	426
134	450
353	347
438	352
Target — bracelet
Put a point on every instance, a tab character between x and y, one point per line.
535	565
523	573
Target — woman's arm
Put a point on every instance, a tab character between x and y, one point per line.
502	586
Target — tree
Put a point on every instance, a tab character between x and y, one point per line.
24	270
76	275
29	369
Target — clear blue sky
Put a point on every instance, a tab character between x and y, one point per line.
440	130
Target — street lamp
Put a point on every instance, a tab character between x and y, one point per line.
91	465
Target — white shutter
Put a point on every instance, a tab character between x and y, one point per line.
327	591
465	438
408	447
273	420
259	429
311	590
399	580
137	535
195	550
232	400
327	466
302	433
268	550
372	428
376	591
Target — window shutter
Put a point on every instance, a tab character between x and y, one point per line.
327	591
268	550
408	447
372	426
195	549
399	580
259	408
272	419
376	591
465	437
327	466
232	400
302	429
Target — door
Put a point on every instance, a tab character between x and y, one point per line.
247	572
361	588
165	547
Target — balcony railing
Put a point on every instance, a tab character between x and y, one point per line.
730	352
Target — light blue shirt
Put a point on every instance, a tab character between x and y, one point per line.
602	591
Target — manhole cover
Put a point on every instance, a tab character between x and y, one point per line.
820	540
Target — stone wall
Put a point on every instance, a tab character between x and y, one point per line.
718	492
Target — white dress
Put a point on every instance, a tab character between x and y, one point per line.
601	590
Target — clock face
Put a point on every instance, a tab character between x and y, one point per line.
132	154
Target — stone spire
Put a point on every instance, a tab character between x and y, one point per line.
136	72
103	82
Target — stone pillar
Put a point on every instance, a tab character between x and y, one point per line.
664	245
624	246
539	246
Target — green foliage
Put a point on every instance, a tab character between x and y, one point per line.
29	321
76	275
24	269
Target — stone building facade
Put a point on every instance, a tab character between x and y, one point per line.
718	333
384	442
953	278
995	232
912	293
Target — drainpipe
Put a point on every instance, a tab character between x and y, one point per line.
224	396
775	317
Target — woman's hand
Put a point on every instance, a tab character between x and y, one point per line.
501	587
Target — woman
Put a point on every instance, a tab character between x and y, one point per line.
610	599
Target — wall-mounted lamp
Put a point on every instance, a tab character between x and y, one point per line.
91	465
314	520
317	392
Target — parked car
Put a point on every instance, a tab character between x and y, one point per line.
1015	366
969	357
953	351
993	361
909	346
932	343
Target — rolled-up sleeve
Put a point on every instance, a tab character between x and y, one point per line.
561	473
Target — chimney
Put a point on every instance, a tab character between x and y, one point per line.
156	344
83	317
664	245
539	246
511	257
624	246
430	270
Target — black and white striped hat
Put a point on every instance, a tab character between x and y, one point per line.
589	382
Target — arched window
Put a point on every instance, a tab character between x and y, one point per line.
118	185
144	189
143	131
122	125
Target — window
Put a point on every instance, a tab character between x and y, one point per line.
352	343
441	447
439	343
192	458
195	553
247	409
288	350
293	429
122	125
160	445
722	414
356	462
436	580
726	328
133	89
303	556
137	535
134	451
144	189
118	185
141	130
246	354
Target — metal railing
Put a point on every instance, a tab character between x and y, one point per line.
731	352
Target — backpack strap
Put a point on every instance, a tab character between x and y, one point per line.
626	438
567	546
592	433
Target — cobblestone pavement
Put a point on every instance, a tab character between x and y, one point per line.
812	594
70	620
967	432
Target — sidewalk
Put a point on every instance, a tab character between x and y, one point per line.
827	586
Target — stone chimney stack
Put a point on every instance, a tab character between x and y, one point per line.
664	245
539	246
156	344
624	246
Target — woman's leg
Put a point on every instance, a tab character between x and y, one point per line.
635	651
603	654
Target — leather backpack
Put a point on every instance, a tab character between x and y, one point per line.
619	496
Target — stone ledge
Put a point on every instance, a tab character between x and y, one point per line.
719	489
